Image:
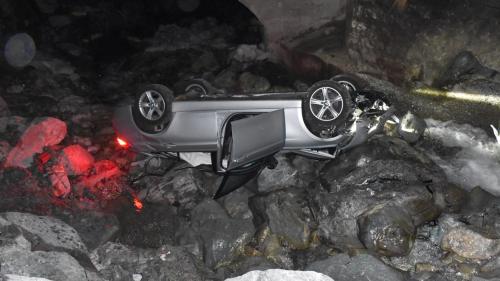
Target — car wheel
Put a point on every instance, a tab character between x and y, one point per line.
152	108
352	83
196	88
326	107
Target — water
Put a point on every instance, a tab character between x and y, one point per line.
467	154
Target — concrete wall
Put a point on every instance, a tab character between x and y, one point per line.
284	19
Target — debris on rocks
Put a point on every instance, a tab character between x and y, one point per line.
411	128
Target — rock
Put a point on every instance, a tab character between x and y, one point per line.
414	165
222	237
104	178
482	211
236	204
476	278
468	243
206	62
411	128
58	176
56	266
184	187
250	82
398	183
119	262
454	198
387	230
363	267
281	275
4	150
370	26
287	214
226	79
491	269
12	128
338	212
152	227
41	133
433	55
47	6
12	277
76	160
94	227
478	200
20	50
48	233
426	250
298	86
292	171
4	108
71	105
250	53
17	258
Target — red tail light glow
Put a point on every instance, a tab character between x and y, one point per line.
121	142
138	204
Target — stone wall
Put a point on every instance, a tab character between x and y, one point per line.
285	19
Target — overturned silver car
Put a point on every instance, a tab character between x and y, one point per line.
243	132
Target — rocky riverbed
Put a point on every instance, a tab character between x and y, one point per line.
76	206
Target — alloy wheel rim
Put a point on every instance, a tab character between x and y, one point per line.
152	105
326	104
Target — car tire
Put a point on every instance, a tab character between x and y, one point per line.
152	108
351	82
325	116
196	88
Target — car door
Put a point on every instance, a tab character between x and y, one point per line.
255	137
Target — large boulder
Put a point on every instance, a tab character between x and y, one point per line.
184	187
41	133
281	275
287	215
250	82
426	252
387	230
236	203
363	267
436	45
372	30
47	233
379	193
291	171
222	238
94	227
118	262
18	256
470	244
57	266
76	160
155	225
